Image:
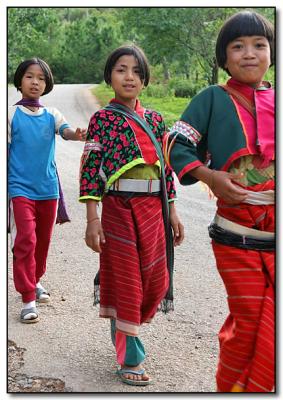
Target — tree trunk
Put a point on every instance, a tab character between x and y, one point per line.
196	76
187	71
166	72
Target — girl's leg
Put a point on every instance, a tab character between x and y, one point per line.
262	368
129	349
24	242
130	352
151	246
134	232
45	218
246	361
113	330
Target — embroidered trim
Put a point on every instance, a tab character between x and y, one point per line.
181	127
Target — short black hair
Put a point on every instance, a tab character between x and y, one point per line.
128	50
243	23
23	66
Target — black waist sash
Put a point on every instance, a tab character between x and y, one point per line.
247	242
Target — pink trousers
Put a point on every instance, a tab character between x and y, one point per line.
31	229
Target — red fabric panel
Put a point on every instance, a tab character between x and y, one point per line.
145	144
264	127
247	337
133	269
120	345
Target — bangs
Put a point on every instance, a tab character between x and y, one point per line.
48	75
141	62
248	25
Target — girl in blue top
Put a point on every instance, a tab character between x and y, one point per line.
32	180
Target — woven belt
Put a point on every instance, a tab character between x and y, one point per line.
240	229
260	198
136	185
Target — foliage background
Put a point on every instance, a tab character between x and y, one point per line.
179	42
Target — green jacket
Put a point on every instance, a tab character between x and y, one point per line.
209	133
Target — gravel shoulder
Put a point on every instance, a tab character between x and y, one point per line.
70	349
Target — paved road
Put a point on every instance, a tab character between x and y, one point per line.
70	342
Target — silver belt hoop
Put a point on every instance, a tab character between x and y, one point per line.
240	229
136	185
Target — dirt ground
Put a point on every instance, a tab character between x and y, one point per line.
21	383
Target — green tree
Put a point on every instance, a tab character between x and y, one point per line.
86	46
179	42
32	32
179	39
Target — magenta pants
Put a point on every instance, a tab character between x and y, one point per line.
32	226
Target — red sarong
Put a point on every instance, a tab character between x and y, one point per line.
133	267
247	340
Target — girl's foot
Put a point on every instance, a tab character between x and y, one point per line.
29	313
134	375
42	296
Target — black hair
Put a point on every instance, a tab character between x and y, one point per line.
243	23
128	50
23	66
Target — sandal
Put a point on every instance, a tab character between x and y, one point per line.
134	382
29	315
41	295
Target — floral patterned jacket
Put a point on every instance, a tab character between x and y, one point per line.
114	145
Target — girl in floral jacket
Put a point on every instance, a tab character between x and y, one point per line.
121	168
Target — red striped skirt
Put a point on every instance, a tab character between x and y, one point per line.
133	268
247	340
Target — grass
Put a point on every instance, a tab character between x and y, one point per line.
103	94
171	108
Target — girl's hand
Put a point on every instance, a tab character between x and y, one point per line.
94	235
222	185
80	134
178	228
